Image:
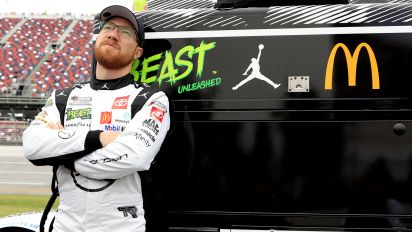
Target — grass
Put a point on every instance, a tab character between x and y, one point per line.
14	204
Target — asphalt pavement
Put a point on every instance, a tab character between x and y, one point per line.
19	176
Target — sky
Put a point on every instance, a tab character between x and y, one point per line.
59	6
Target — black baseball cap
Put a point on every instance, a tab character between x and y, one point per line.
123	12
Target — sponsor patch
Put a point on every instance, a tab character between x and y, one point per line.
159	105
157	113
126	115
143	139
115	128
85	113
81	101
106	117
121	102
148	134
151	125
132	210
77	124
122	121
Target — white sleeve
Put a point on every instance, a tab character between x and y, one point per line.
135	148
44	146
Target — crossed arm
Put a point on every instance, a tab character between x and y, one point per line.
96	154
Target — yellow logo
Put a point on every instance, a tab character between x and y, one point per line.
352	62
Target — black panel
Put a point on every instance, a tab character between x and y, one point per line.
327	174
262	158
261	155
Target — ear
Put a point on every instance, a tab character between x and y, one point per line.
138	53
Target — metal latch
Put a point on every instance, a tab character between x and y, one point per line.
298	84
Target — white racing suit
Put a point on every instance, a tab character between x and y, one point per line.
100	189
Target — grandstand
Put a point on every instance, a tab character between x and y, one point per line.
38	54
41	54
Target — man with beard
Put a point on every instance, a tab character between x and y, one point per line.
97	135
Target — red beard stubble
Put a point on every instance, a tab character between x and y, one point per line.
112	59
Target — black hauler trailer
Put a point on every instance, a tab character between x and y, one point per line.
287	117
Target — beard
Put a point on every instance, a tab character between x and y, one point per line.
110	59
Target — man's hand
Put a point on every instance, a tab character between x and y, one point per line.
54	125
108	137
49	124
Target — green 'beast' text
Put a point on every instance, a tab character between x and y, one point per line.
168	70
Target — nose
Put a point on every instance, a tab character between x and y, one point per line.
114	34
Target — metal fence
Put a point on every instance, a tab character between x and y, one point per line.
22	100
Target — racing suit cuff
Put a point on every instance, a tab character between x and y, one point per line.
92	141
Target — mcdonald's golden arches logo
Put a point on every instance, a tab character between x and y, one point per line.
352	63
106	117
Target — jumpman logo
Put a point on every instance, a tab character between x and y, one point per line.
104	86
61	94
143	95
254	65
